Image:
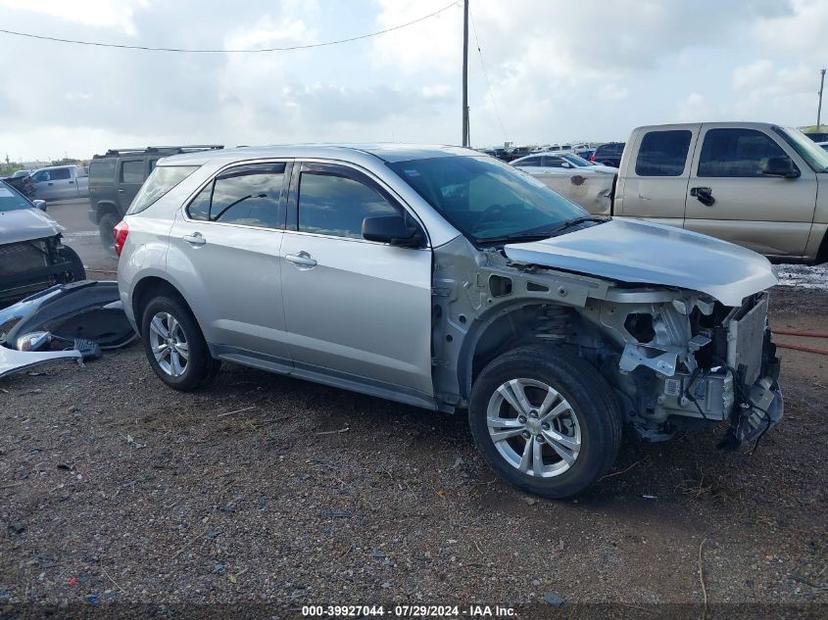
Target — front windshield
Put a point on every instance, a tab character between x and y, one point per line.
576	160
10	200
816	157
486	199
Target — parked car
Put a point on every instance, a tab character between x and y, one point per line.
116	176
21	173
609	154
756	184
22	183
60	183
445	279
32	254
558	160
817	136
590	186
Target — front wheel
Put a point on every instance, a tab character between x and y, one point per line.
545	421
75	271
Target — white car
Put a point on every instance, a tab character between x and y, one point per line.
572	176
559	162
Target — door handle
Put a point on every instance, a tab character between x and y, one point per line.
303	259
195	239
50	183
643	197
704	195
121	191
71	182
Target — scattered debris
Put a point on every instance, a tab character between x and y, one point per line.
243	409
552	599
701	577
649	497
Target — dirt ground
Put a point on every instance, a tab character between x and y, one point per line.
262	490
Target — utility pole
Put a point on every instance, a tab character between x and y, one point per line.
466	141
819	108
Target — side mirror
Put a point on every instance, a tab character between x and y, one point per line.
39	204
781	167
565	164
391	229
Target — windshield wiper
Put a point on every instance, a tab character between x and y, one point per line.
537	235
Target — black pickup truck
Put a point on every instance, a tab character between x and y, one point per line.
117	175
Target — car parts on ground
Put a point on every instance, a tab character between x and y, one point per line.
75	321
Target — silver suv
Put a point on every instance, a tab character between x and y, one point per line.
445	279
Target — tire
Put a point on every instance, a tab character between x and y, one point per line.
105	226
194	368
584	416
76	271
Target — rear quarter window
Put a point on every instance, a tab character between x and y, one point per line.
663	153
161	181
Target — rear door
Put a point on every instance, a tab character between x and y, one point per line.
131	175
729	197
230	235
655	183
356	310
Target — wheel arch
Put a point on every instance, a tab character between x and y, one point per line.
503	328
152	286
106	207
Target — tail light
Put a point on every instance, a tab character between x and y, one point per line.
592	156
120	233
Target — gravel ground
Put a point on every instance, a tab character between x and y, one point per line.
119	493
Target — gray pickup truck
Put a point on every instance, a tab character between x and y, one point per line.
117	175
60	183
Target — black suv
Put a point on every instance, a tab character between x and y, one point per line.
609	154
116	176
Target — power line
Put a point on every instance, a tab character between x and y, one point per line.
230	51
488	81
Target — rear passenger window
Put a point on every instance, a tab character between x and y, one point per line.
247	195
736	153
101	171
132	171
663	153
335	205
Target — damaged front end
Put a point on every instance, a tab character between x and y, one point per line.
690	358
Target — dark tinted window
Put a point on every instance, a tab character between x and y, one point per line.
663	153
102	171
132	171
41	176
335	205
529	162
736	153
610	149
248	195
59	174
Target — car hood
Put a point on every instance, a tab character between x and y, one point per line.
26	224
642	252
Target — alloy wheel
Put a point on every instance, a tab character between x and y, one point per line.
534	428
169	344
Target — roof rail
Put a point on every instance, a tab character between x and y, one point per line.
157	149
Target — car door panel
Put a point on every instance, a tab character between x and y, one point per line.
357	308
237	268
655	184
770	215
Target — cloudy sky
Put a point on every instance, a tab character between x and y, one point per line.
551	70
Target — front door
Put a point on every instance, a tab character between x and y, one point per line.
356	310
655	184
225	250
730	197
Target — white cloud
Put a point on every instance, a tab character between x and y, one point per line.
101	13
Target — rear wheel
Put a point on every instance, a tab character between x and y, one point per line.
105	226
545	421
175	346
